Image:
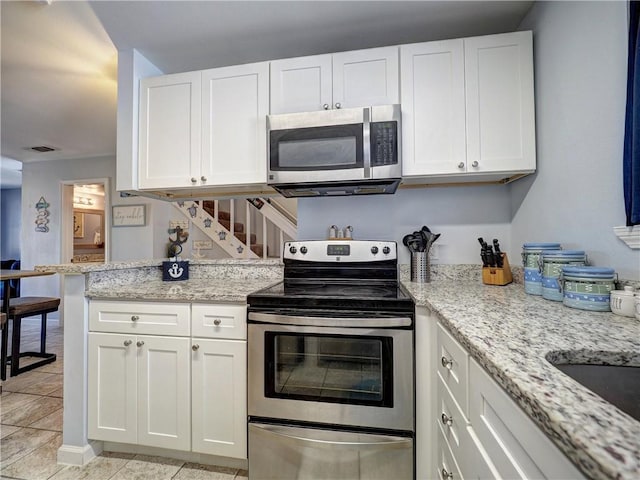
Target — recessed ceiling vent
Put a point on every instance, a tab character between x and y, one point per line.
43	149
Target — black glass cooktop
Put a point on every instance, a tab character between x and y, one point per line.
334	294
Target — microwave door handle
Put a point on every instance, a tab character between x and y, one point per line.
366	141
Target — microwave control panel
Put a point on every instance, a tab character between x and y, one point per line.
384	141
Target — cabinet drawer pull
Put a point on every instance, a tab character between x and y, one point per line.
135	318
446	363
217	322
461	165
446	420
194	179
446	475
139	343
127	343
475	164
338	105
195	347
203	178
325	106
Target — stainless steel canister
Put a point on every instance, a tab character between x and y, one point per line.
420	267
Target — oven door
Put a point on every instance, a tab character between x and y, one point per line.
348	376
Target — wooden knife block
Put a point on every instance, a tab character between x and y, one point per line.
498	276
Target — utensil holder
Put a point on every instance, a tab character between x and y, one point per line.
420	267
498	275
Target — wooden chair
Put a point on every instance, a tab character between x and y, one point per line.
20	308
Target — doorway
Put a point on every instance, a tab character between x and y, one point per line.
84	222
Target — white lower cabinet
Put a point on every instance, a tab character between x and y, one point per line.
139	390
172	392
219	397
491	438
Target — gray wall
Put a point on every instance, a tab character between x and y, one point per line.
10	223
576	195
44	179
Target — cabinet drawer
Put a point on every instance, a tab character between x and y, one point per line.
139	318
453	367
516	446
219	321
446	467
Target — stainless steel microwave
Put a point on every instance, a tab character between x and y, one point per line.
335	152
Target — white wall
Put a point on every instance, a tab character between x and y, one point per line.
10	223
460	214
44	179
576	196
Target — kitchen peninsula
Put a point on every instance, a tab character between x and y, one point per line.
512	336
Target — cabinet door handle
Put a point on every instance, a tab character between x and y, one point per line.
139	343
195	347
325	106
127	343
338	105
474	164
446	420
135	318
203	178
446	475
194	179
217	322
446	363
461	165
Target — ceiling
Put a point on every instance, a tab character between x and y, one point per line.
59	58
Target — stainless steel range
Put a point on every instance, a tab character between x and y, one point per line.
331	366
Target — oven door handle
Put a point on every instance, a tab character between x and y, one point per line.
363	322
360	441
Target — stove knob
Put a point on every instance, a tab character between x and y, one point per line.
386	250
374	249
292	249
303	250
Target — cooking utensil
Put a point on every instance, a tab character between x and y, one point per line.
498	256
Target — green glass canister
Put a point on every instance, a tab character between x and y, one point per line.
551	264
587	288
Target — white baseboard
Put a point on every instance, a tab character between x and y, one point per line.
79	456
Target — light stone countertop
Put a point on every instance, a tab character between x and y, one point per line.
511	334
514	335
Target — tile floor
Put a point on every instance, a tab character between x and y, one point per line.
31	429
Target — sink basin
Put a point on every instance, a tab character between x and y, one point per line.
619	385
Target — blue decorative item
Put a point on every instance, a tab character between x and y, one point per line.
222	235
240	249
207	223
587	288
193	209
42	219
181	204
551	264
173	271
530	257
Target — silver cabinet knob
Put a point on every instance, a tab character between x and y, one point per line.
195	347
461	165
474	164
325	106
446	475
338	105
194	179
446	420
135	318
217	322
446	363
139	343
203	178
127	343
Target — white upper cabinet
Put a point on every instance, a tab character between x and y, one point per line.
343	80
433	110
500	102
468	106
204	128
169	130
235	104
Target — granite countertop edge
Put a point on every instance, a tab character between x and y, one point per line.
497	327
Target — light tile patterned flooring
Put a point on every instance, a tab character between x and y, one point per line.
31	429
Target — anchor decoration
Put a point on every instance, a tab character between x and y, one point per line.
175	247
43	216
207	223
193	209
175	271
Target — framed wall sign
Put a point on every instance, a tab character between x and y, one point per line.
128	215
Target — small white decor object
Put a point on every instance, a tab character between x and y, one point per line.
128	215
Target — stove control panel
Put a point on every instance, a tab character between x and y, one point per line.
340	251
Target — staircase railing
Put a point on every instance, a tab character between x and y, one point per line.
238	236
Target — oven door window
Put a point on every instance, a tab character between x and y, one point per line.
355	370
316	148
